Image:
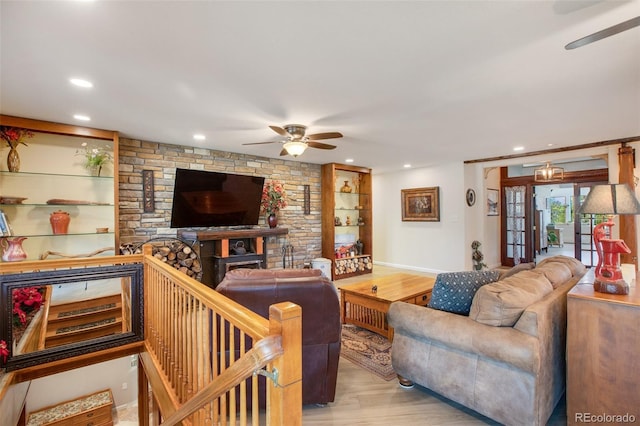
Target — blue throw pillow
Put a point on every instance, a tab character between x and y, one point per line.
454	291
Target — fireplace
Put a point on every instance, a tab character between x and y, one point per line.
224	250
222	265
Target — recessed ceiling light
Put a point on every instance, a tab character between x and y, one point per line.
82	117
407	166
81	83
549	144
199	137
349	160
518	148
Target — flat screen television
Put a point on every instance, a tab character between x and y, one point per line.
215	199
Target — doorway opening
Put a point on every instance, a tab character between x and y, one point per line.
540	219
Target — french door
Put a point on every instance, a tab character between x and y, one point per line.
518	225
517	237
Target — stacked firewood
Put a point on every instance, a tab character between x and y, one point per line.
350	265
176	253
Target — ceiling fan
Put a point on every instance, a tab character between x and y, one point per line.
607	32
297	142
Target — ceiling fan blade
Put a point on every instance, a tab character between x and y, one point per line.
284	152
607	32
320	145
260	143
327	135
279	130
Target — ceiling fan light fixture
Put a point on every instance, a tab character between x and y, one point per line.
295	148
548	173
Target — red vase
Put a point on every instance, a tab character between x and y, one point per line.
272	220
60	222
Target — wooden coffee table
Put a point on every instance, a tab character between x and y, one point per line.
361	306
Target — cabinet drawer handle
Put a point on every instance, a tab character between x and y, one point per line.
90	414
424	297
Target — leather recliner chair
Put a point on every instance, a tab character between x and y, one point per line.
257	289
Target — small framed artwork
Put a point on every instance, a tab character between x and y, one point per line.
556	201
421	204
148	196
493	202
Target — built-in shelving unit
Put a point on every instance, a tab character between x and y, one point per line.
347	219
52	177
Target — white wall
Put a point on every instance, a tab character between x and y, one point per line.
65	386
424	246
446	245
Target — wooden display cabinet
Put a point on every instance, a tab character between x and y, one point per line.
347	219
52	177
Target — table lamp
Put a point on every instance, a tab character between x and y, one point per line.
610	199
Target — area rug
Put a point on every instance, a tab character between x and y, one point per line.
367	350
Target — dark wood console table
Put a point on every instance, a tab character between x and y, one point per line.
217	249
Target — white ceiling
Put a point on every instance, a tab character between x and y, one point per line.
420	82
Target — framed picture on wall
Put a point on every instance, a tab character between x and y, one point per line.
493	202
421	204
560	201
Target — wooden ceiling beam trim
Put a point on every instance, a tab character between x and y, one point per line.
621	141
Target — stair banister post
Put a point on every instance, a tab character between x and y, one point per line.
285	399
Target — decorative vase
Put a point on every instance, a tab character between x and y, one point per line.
12	250
345	187
59	222
13	160
95	170
272	220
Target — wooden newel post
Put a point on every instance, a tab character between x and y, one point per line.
628	222
285	400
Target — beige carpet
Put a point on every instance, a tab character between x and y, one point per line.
367	350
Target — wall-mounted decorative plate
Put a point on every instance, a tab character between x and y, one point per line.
471	197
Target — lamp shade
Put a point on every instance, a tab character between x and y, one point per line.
295	148
611	199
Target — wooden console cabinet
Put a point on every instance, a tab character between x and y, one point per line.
603	356
217	254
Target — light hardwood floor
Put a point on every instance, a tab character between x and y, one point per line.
364	399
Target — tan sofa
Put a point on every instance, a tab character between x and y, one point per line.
506	360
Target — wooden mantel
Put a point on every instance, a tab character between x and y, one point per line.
228	234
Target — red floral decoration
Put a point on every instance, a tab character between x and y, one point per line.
25	301
4	351
274	197
14	136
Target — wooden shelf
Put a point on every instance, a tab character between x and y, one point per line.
355	204
52	170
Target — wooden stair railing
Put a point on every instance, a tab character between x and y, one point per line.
264	351
201	350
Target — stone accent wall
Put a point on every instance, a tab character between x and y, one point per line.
305	231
